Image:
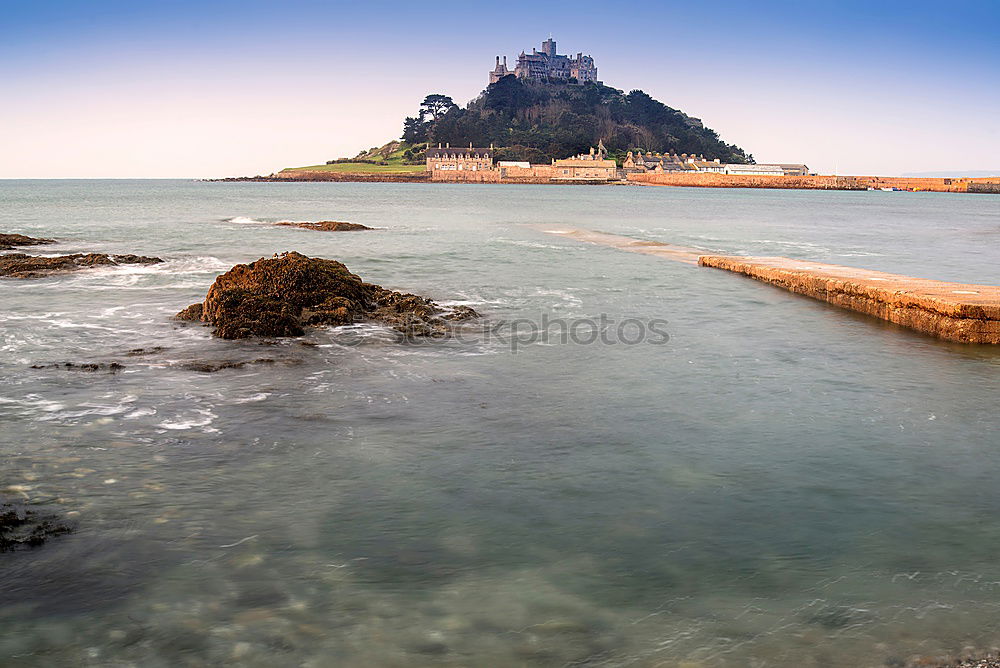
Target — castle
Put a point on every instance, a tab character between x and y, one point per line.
545	64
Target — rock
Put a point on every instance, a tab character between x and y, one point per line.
140	352
192	313
113	367
328	226
978	660
8	241
24	527
211	366
285	294
20	265
430	647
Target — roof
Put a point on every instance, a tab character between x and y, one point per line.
455	152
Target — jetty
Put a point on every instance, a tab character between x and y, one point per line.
960	312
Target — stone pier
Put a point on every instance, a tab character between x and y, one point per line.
951	311
959	312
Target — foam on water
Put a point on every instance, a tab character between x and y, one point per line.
247	220
202	418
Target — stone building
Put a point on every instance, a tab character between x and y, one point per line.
500	71
640	163
593	166
755	170
547	64
791	169
459	159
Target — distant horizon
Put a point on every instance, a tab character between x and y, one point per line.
117	90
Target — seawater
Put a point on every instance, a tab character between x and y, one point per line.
781	483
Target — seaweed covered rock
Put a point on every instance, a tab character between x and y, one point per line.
285	294
328	226
20	265
113	367
8	241
25	527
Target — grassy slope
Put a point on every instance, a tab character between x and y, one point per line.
391	153
358	168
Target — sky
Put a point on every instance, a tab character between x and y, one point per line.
175	88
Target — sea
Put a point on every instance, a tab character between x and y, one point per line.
626	461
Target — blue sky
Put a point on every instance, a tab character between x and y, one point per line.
193	89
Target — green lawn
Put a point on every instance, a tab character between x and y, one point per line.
359	168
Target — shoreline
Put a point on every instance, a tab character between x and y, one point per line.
978	185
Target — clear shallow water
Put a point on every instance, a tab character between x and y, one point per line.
781	484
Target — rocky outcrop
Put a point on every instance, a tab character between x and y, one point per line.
9	241
288	293
19	265
328	226
25	527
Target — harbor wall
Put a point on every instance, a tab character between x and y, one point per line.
714	180
546	174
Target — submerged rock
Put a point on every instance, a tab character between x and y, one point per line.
8	241
141	352
285	294
211	366
967	660
113	367
24	527
20	265
328	226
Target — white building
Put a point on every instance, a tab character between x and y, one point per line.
755	170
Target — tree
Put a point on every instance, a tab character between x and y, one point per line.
539	121
414	130
436	106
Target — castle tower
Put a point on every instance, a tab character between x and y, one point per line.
499	71
549	47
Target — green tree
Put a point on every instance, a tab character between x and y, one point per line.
414	130
436	105
554	120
